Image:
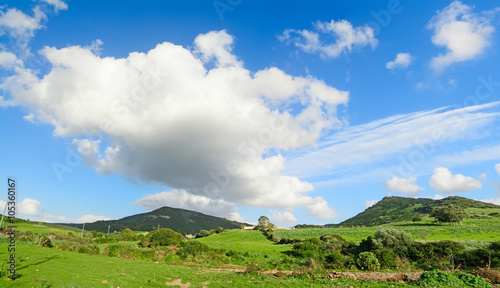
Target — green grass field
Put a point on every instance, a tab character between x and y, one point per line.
49	267
483	230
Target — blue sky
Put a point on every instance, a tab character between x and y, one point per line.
307	112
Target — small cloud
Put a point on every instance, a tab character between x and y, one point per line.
403	60
320	210
9	60
435	197
346	38
370	203
497	167
30	118
495	201
443	181
96	47
285	218
58	4
27	207
464	34
19	24
403	185
87	218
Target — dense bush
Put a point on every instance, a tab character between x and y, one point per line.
42	240
386	257
203	233
367	261
389	238
164	237
90	249
438	279
195	248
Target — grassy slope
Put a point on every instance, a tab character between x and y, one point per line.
399	209
48	228
70	269
484	230
244	241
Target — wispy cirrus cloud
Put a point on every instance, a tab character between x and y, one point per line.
384	141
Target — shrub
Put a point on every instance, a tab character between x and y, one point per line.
219	230
368	261
332	237
42	240
386	257
473	280
203	233
436	278
393	239
164	237
193	248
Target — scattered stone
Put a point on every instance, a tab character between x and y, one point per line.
104	281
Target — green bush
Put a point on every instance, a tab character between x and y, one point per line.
393	239
367	261
195	248
42	240
473	280
203	233
164	237
437	279
386	258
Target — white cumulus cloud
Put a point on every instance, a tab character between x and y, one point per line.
497	167
184	200
443	181
283	218
464	34
403	185
163	117
402	60
347	37
27	207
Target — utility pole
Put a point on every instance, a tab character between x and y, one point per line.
83	229
109	226
41	216
3	214
158	226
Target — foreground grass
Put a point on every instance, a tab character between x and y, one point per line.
49	267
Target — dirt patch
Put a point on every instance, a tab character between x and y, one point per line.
377	276
178	282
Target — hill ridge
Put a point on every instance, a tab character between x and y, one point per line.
393	209
180	220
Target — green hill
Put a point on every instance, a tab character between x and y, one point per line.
179	220
401	209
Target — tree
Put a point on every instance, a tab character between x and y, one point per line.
449	214
263	222
203	233
219	230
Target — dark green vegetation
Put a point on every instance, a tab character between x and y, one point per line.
179	220
402	209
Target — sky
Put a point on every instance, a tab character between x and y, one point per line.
303	111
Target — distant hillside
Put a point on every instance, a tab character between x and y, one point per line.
180	220
400	209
